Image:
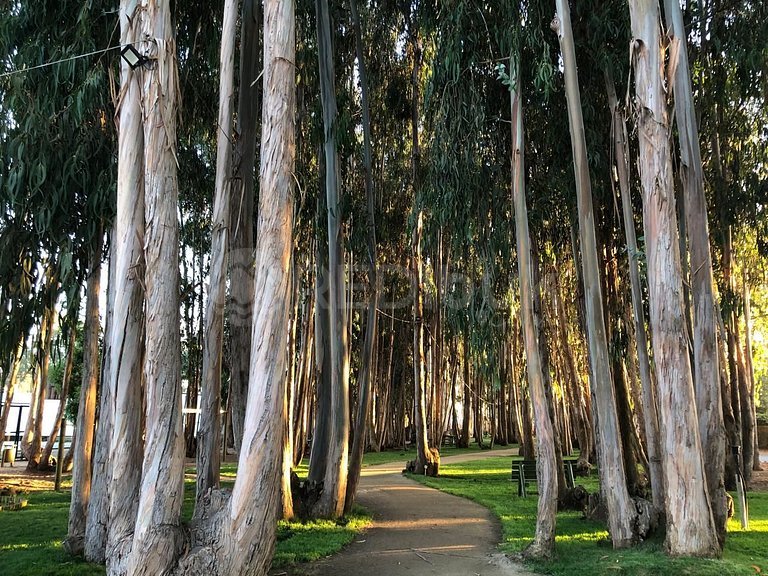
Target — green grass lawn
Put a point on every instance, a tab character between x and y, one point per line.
30	539
582	546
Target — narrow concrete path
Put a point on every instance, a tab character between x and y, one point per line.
418	531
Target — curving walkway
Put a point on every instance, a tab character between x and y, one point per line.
418	531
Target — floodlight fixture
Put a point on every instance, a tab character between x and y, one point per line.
133	57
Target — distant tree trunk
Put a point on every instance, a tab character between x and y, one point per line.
368	360
543	545
86	411
318	459
127	333
241	223
31	442
331	503
209	419
544	346
13	374
575	392
621	512
748	360
650	412
706	373
53	437
425	461
690	525
466	394
97	519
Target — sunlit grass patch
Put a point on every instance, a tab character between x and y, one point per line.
583	546
307	541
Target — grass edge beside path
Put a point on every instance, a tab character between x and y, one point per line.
582	546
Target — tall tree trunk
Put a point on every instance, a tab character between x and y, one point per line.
331	503
543	545
238	536
86	411
157	537
97	519
706	371
542	333
621	512
209	420
127	346
690	525
650	412
575	390
466	396
241	214
368	360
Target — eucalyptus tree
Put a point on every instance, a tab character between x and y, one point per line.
367	371
209	431
241	225
57	173
86	414
621	513
690	525
127	334
730	86
331	503
544	540
651	420
706	373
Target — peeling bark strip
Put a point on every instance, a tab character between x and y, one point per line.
543	545
621	514
690	526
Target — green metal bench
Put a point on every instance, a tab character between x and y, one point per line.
524	472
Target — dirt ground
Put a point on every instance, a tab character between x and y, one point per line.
17	476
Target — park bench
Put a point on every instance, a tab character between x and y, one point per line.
524	472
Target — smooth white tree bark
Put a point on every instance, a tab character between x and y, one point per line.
236	534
